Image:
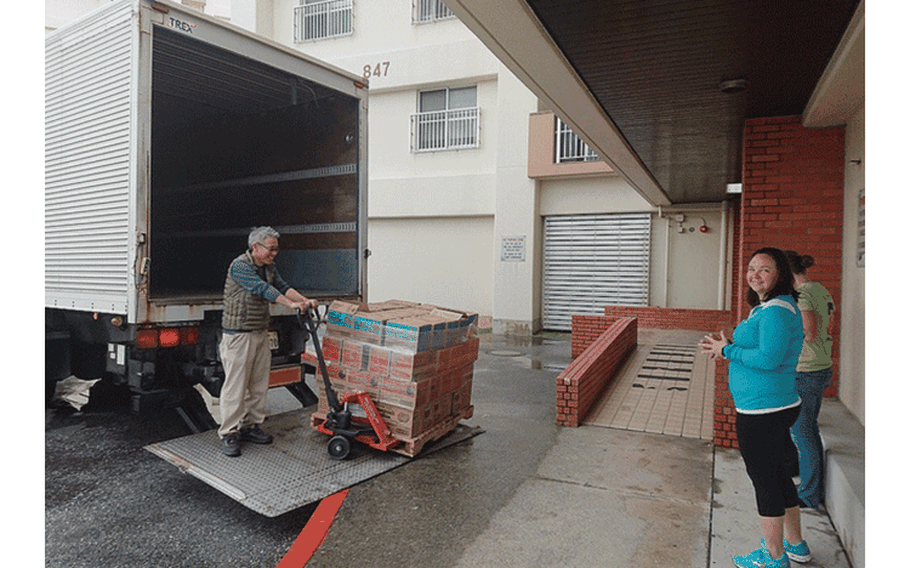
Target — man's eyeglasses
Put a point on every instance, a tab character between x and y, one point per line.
270	249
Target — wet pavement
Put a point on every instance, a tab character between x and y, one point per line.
525	493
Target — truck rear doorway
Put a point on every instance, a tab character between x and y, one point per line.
293	471
237	143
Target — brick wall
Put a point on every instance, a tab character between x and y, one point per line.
793	198
582	383
793	180
672	318
724	411
586	329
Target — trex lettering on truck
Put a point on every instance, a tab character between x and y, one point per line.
168	136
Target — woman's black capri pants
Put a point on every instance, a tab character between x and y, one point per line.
768	450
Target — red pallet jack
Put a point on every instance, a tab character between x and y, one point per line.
340	423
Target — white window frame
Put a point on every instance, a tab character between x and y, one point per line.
570	147
323	19
448	129
426	11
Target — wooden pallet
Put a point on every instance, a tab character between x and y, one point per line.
411	446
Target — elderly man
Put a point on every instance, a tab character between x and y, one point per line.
252	283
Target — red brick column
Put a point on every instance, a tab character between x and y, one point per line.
793	184
793	198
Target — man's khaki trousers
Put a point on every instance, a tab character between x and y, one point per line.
246	359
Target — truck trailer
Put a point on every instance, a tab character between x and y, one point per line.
169	134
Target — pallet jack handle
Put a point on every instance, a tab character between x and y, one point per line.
309	325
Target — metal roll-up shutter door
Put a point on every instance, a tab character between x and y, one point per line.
591	261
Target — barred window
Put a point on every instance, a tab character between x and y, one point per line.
447	119
430	11
322	19
571	148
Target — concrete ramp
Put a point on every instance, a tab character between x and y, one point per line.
292	471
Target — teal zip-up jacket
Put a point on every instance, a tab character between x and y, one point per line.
763	357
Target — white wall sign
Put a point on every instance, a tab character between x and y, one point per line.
512	249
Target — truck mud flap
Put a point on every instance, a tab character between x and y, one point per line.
293	471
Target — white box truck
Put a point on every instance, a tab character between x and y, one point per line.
168	136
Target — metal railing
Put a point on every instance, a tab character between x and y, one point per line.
571	148
445	130
321	20
430	11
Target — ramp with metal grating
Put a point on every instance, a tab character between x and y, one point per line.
292	471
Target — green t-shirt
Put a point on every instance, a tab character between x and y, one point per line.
815	356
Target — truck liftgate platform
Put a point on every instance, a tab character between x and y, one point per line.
293	471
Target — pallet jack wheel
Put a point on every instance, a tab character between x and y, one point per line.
339	447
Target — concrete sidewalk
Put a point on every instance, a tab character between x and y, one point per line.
527	493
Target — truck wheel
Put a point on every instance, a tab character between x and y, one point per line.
339	447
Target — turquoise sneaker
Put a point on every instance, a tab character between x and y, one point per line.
798	552
760	558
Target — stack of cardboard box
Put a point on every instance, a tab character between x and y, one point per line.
416	361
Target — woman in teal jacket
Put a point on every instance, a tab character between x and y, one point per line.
762	378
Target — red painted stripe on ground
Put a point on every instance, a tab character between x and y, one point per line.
313	534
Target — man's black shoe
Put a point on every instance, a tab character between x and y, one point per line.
255	434
230	445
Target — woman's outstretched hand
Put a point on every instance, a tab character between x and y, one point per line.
714	344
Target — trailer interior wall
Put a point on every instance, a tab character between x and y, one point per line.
237	144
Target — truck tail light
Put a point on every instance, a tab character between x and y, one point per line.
169	337
147	338
166	337
189	336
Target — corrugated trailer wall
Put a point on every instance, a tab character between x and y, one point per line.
88	169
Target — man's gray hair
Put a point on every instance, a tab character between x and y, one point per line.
260	234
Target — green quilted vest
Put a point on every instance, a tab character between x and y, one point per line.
242	310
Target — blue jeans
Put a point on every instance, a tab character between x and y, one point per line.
805	434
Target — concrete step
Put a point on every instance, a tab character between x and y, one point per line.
844	440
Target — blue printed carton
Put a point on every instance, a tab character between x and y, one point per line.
411	333
339	318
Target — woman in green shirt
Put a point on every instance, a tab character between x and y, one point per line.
813	375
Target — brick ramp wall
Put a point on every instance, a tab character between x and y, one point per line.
673	318
582	383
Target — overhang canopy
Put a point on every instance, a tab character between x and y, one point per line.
661	89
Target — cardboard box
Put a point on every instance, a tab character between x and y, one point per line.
378	360
466	322
442	408
367	382
389	305
371	326
331	348
439	327
459	355
410	333
461	398
412	366
352	355
368	327
409	394
340	317
333	368
405	422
